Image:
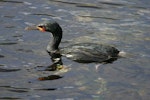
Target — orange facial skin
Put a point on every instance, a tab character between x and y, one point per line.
42	29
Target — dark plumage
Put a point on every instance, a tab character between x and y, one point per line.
90	52
82	52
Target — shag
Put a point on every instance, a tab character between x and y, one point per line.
81	52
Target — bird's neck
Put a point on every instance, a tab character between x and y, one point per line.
54	43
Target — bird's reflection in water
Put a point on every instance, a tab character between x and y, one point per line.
57	62
50	77
56	65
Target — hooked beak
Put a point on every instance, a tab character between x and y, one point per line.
42	29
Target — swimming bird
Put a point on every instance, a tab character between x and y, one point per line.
81	52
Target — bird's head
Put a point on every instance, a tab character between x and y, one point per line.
47	26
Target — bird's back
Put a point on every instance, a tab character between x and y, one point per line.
89	52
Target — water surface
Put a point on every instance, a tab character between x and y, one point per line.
123	24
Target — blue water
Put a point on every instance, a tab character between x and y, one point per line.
123	24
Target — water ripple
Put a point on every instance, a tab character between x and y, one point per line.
9	1
9	98
89	5
109	18
79	4
39	14
46	89
8	70
112	3
1	56
8	43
